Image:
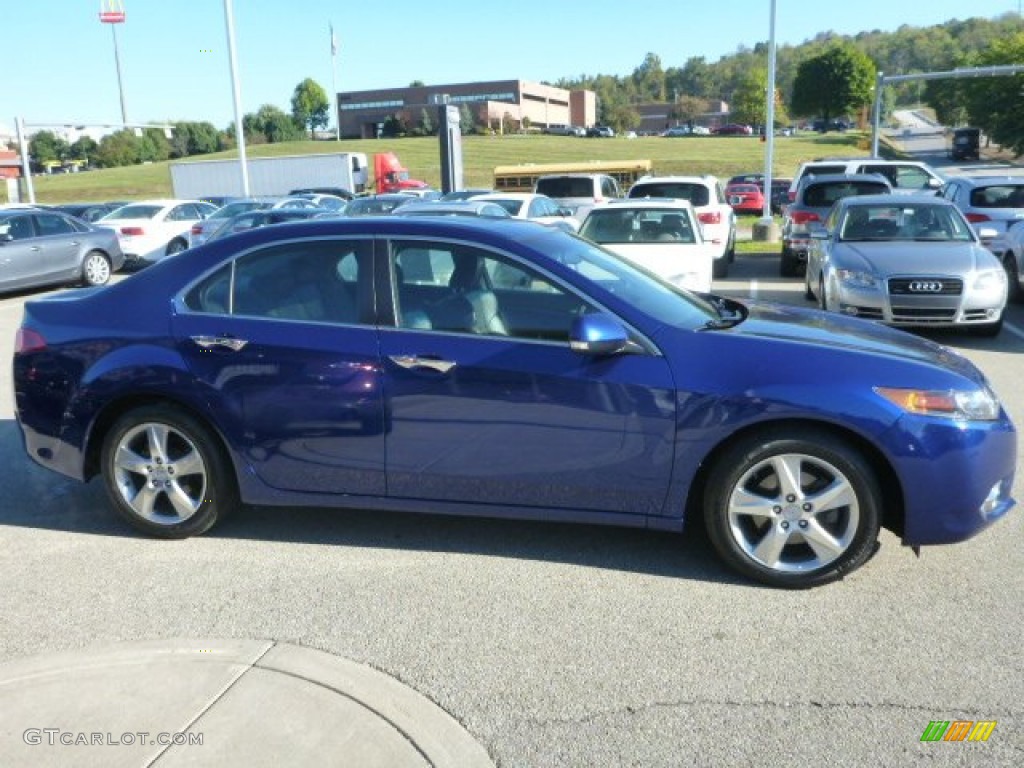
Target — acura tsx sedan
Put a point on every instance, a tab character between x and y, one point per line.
471	367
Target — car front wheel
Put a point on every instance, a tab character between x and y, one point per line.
166	473
793	509
1014	291
95	269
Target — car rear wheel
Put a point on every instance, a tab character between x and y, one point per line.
792	508
789	265
1014	291
720	267
166	473
95	268
822	298
176	246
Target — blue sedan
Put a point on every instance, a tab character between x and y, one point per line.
470	367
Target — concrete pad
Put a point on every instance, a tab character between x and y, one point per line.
218	702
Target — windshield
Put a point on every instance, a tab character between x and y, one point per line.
697	194
233	209
566	186
135	212
512	206
638	225
904	222
644	290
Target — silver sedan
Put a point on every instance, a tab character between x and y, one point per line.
906	261
39	247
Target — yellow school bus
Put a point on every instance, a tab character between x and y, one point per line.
522	178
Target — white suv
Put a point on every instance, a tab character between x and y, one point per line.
904	176
707	196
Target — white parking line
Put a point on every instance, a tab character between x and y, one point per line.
1014	330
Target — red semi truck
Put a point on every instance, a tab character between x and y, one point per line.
391	176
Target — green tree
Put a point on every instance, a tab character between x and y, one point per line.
84	149
649	79
310	106
277	126
117	149
426	124
994	104
466	122
687	109
154	146
749	100
47	147
837	82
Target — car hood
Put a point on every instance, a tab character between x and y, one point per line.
913	257
837	332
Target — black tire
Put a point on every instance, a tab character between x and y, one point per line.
822	301
720	267
1014	292
177	245
166	473
774	534
808	293
788	264
95	268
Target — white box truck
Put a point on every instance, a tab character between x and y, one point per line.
269	176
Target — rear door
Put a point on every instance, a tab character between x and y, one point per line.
284	340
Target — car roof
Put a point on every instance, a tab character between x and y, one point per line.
813	179
704	179
892	199
986	181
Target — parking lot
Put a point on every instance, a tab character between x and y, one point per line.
556	644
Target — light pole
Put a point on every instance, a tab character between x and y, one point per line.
229	22
112	13
765	228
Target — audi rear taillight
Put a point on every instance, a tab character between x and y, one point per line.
132	231
974	218
26	340
712	217
802	217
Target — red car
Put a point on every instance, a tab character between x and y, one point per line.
745	198
733	129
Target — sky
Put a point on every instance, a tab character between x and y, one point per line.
58	59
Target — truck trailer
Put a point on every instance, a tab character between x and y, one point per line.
269	176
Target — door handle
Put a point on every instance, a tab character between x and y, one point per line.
412	362
209	342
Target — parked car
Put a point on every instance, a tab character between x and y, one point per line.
452	208
707	196
324	201
151	230
745	198
911	261
464	194
262	218
578	191
539	208
993	202
904	176
377	205
662	236
965	144
815	197
601	132
341	192
780	194
40	247
1009	249
354	362
733	129
677	131
88	212
204	229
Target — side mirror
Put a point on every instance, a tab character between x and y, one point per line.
933	183
597	334
987	234
817	231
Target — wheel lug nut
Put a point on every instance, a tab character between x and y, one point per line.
159	460
791	498
803	523
785	526
807	507
170	471
777	510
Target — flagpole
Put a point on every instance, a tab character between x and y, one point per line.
334	85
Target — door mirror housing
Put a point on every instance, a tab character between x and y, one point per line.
598	334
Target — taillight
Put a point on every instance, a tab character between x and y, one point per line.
132	231
27	340
802	217
711	217
974	218
197	229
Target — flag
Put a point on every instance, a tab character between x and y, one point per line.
334	42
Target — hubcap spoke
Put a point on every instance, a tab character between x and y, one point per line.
838	494
129	461
745	503
144	501
156	434
787	469
826	546
183	504
769	549
189	464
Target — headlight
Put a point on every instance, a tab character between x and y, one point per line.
857	279
970	405
990	280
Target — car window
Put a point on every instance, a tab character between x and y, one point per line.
18	227
312	281
609	188
697	194
895	221
824	195
566	186
821	170
450	287
53	225
998	196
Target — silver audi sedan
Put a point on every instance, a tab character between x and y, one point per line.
905	260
